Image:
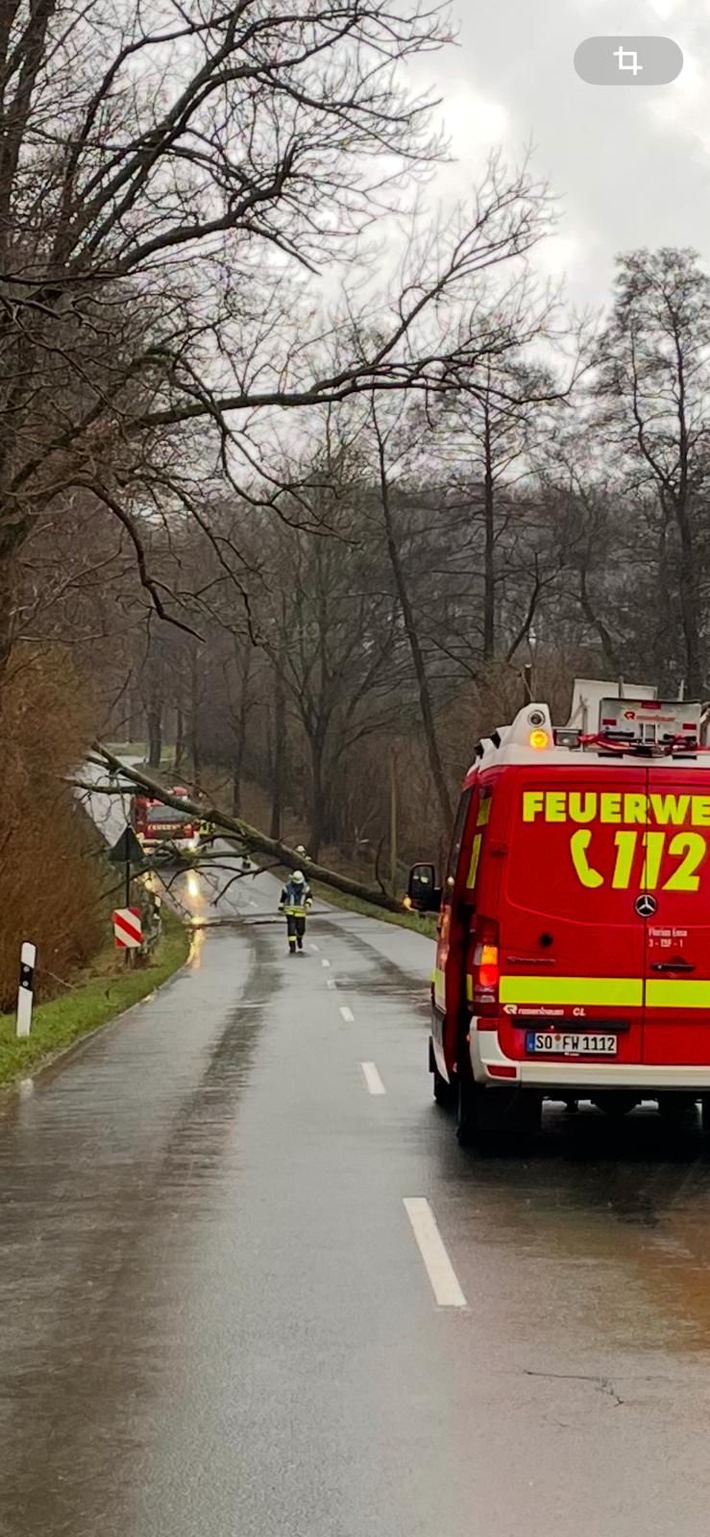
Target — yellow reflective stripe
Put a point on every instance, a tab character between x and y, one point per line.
475	856
439	980
618	992
484	812
675	994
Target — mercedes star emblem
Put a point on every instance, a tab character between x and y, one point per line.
646	905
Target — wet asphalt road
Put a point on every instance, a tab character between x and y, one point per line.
215	1320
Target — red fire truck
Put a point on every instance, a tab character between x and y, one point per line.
573	953
164	829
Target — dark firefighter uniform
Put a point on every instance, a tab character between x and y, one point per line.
295	901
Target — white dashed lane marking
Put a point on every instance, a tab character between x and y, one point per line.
439	1268
347	1014
372	1078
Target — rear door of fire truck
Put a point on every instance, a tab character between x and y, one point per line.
571	944
448	979
676	884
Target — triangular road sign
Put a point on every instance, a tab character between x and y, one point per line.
127	851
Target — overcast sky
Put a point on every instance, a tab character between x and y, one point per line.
630	166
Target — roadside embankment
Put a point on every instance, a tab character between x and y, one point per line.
96	995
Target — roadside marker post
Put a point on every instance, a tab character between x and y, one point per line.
129	853
25	992
127	928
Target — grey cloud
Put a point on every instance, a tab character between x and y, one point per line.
624	179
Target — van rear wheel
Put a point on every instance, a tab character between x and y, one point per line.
705	1117
445	1094
494	1119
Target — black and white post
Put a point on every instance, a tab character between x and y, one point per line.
25	992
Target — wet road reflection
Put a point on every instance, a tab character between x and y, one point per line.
622	1214
214	1320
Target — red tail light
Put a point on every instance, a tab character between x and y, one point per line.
485	967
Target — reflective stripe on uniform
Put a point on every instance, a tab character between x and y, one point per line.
439	981
618	992
676	994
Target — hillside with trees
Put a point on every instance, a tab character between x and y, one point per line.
298	474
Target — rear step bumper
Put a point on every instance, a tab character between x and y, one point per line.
486	1056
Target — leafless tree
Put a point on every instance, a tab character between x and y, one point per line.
654	385
171	180
388	447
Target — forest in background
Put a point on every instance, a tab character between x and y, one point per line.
299	470
420	557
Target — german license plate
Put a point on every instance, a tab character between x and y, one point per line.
585	1044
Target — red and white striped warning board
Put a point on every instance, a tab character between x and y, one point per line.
127	927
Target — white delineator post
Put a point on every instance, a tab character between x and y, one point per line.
25	992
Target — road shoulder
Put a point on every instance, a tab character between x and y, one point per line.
92	1001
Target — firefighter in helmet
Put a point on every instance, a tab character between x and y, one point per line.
296	900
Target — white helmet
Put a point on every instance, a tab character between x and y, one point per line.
298	877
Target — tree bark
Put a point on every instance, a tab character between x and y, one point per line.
489	576
7	625
155	733
194	735
279	754
241	730
135	714
689	599
318	796
435	763
237	763
179	738
689	584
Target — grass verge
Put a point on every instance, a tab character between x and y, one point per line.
420	923
98	995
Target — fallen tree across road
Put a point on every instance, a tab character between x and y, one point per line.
249	838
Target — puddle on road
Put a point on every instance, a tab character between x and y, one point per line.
380	980
386	988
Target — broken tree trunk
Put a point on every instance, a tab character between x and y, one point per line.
251	838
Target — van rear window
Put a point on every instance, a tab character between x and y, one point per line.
457	836
160	815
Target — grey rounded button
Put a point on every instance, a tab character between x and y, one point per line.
628	60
